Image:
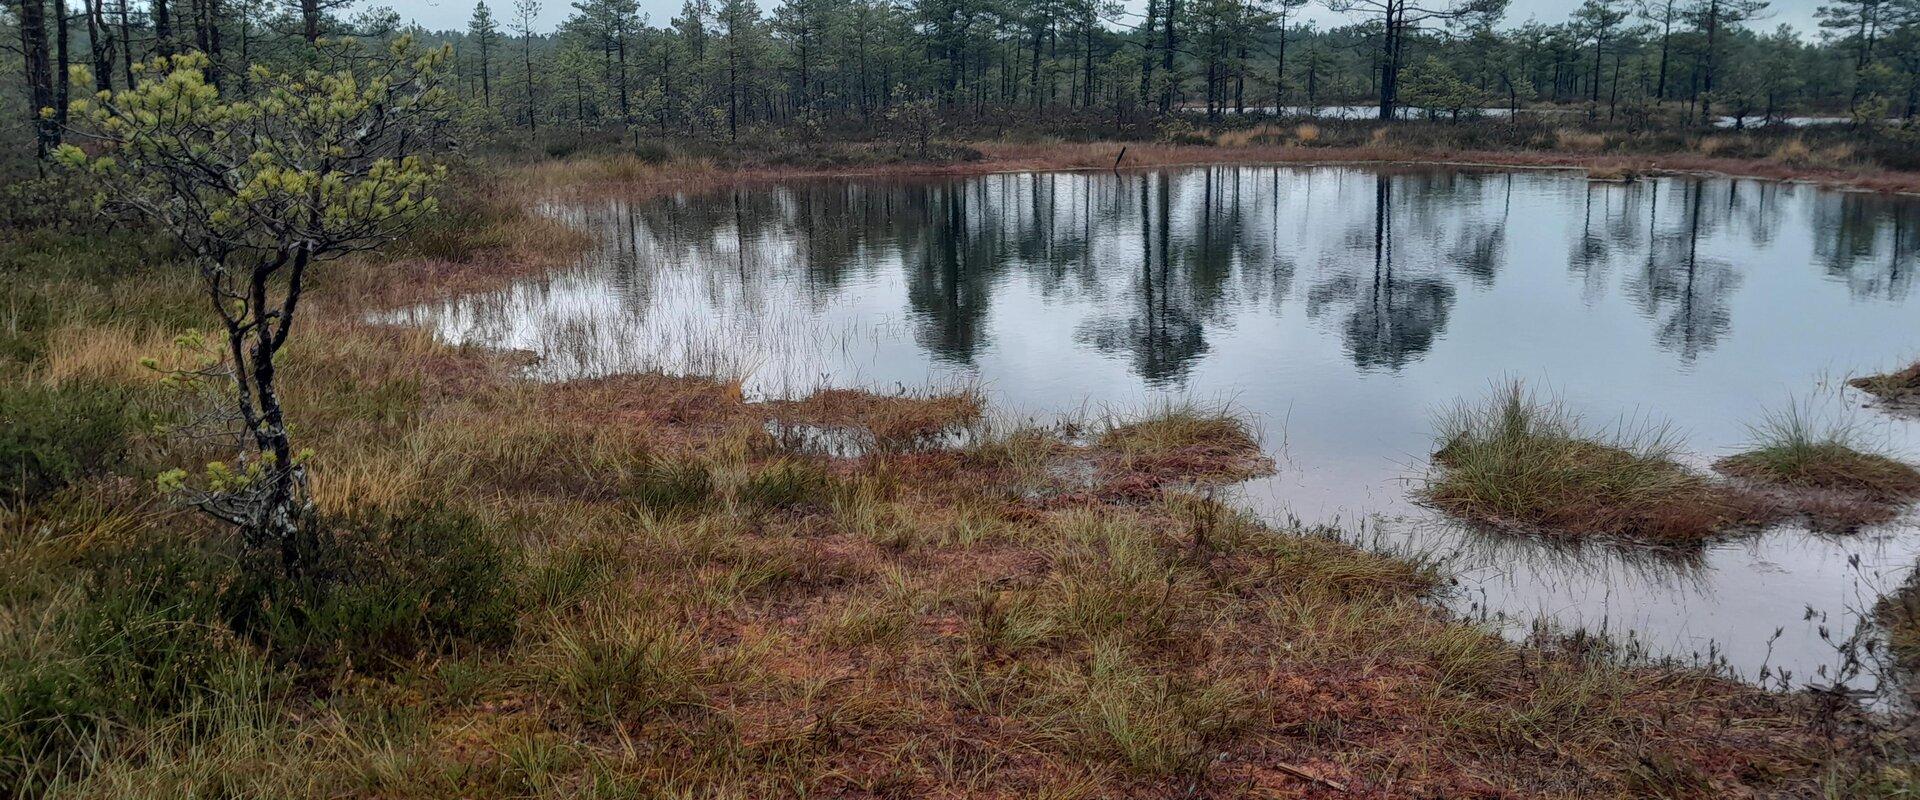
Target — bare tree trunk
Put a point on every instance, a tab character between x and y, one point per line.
39	72
1280	67
626	102
1146	61
526	57
1666	39
1599	46
733	85
1033	67
1240	80
162	27
1713	29
255	335
310	20
486	71
1169	45
126	42
61	63
100	43
1390	62
866	93
1087	64
206	33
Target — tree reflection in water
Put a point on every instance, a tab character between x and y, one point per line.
1164	261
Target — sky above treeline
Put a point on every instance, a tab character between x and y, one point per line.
453	14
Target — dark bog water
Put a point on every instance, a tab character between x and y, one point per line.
1343	308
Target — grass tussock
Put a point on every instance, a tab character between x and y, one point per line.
1898	389
1264	133
1180	441
1824	471
1522	461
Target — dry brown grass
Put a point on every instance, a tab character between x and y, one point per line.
1902	385
1713	144
122	353
1575	141
894	422
1264	133
1793	151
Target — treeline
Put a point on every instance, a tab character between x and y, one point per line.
720	65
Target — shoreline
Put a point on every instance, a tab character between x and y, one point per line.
1008	158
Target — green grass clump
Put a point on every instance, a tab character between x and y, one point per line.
168	622
140	634
1793	451
1180	441
1522	461
1176	426
665	485
1150	724
624	668
786	484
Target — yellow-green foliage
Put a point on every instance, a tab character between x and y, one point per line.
293	155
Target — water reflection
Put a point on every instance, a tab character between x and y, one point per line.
1340	306
1391	251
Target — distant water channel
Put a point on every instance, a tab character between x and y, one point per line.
1343	308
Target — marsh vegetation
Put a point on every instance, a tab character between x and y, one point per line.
1518	459
408	414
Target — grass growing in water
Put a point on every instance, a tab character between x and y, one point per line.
1523	461
1901	386
1186	438
1792	450
1827	474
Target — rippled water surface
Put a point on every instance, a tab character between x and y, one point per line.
1342	307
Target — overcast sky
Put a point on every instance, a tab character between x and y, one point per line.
450	14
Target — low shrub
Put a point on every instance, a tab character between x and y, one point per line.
384	586
142	635
51	436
